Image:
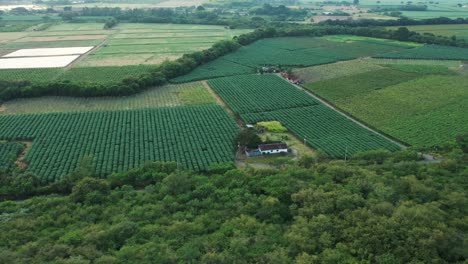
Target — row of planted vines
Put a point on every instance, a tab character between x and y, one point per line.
194	136
268	97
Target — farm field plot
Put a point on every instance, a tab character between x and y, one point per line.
335	70
345	88
123	59
217	68
33	75
269	98
126	44
429	52
104	75
48	52
461	31
165	96
292	51
8	154
51	44
416	111
153	48
453	64
435	14
259	93
194	136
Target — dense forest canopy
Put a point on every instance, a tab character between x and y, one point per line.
377	208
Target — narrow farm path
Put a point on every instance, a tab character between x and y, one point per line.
20	162
218	99
345	115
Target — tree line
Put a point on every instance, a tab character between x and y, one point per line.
378	207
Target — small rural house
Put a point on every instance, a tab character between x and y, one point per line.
273	148
265	149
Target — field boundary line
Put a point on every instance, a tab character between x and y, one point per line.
350	117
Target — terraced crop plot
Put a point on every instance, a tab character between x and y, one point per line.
291	51
165	96
269	98
194	136
217	68
423	111
8	154
430	52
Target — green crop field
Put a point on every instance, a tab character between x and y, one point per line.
335	70
8	154
104	75
259	93
409	102
278	52
51	44
166	96
194	136
293	51
429	52
447	63
269	98
345	88
216	68
33	75
434	14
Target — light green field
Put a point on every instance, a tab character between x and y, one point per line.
435	14
417	104
96	60
166	96
448	63
76	26
335	70
51	44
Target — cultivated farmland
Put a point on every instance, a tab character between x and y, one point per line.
292	51
430	52
165	96
194	136
424	108
37	62
48	52
269	98
8	155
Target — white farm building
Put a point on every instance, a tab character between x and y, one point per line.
273	148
